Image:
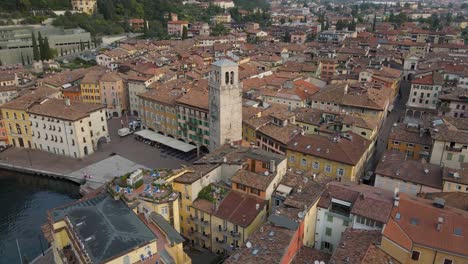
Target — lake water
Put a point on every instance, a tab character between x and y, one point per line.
24	201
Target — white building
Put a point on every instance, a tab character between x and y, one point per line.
346	205
425	91
225	104
409	176
70	129
137	85
224	3
8	93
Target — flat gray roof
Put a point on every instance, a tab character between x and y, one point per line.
168	141
107	228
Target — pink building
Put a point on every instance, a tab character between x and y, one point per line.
175	28
114	94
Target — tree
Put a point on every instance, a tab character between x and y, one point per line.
374	22
184	32
287	37
48	53
340	25
41	46
219	30
36	55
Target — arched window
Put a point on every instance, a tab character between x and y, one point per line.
226	80
363	133
232	77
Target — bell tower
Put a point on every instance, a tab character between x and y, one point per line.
225	104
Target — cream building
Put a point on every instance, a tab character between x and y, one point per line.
84	6
69	129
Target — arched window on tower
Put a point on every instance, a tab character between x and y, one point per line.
232	77
226	80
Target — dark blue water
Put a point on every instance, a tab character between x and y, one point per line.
24	201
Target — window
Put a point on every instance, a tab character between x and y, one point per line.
448	261
292	159
316	165
345	222
340	172
328	168
415	255
164	210
461	158
449	156
303	162
255	191
330	218
328	231
241	186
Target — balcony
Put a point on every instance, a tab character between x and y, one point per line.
68	256
454	149
229	232
200	221
202	236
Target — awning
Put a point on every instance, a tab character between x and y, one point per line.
167	141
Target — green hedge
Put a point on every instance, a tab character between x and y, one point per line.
138	184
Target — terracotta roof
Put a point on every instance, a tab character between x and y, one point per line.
456	175
236	207
395	165
254	180
195	98
453	199
404	133
35	95
431	79
417	221
345	150
368	201
110	77
281	134
269	248
308	255
358	246
6	76
65	77
56	108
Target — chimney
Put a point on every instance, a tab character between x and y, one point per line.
67	101
396	197
272	166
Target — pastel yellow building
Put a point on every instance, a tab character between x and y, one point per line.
225	164
419	232
90	88
317	122
455	180
342	156
85	6
16	118
158	110
221	222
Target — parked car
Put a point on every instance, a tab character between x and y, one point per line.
125	132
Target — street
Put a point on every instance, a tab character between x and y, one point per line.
393	117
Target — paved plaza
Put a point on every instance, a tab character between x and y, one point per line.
126	147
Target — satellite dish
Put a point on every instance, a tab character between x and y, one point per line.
300	215
322	262
248	244
316	262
